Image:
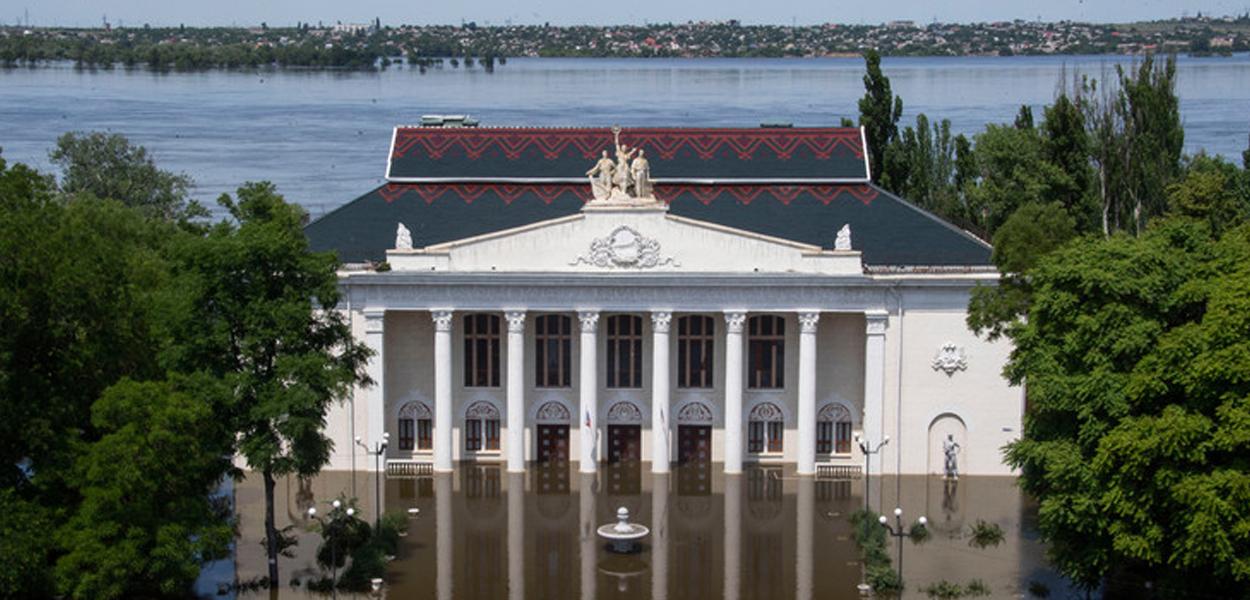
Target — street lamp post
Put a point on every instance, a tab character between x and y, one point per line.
866	447
331	528
899	533
379	448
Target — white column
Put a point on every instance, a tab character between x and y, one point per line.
516	536
589	538
516	390
442	389
589	393
807	392
733	536
375	395
733	391
660	382
659	536
444	549
804	561
874	383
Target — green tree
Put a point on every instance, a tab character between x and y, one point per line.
147	518
879	112
1212	190
1138	423
1024	117
1153	136
261	314
1065	144
1010	172
108	166
25	547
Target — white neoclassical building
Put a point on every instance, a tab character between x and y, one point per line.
739	295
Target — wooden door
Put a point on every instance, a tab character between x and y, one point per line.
624	443
553	444
694	444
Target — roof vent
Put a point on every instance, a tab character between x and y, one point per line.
448	121
776	125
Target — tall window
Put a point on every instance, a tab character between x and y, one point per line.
624	351
481	427
765	429
767	343
481	350
553	340
695	340
833	430
416	424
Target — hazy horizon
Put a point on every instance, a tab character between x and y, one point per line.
89	13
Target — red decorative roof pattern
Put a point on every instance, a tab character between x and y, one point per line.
705	194
435	142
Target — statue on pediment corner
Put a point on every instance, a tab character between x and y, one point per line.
403	238
843	242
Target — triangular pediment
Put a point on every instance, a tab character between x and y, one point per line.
626	239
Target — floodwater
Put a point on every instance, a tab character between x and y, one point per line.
484	533
322	137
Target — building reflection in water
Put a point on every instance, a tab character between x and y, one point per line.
484	533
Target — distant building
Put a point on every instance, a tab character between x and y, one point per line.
768	304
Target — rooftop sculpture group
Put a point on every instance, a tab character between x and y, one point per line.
625	180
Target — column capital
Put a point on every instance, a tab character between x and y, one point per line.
375	320
516	320
661	320
734	320
589	320
876	321
442	319
808	321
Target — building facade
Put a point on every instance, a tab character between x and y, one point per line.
737	295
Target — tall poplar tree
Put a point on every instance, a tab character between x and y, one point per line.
879	112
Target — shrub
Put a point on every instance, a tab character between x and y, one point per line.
985	534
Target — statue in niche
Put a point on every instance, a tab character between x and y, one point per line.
951	449
403	238
843	242
601	177
640	171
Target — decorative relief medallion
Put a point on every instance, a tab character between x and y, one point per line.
482	410
950	358
695	413
734	321
808	322
589	320
516	321
553	413
624	248
766	412
661	321
625	413
442	319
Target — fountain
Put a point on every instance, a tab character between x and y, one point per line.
623	534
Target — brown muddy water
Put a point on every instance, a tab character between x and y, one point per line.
484	533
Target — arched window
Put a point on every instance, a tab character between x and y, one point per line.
416	425
765	429
833	430
766	337
553	353
481	427
624	351
695	341
481	350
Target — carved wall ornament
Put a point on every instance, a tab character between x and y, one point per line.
625	248
552	413
482	410
843	241
734	321
625	413
516	320
833	413
661	321
950	358
415	410
442	320
403	238
694	413
766	412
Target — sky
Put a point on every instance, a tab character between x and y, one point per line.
570	12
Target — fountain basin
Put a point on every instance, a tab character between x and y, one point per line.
623	535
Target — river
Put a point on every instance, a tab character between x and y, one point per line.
322	136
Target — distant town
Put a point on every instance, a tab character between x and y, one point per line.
378	46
